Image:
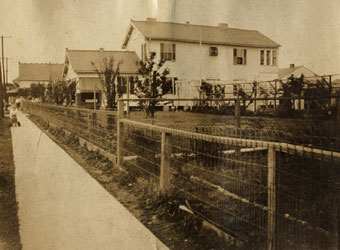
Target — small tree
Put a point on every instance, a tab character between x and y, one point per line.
153	83
246	96
293	87
217	92
24	92
58	92
70	91
108	75
38	91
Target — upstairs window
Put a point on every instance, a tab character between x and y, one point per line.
143	52
268	57
262	57
213	51
168	51
122	84
240	56
274	58
132	84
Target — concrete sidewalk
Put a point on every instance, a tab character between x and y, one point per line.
62	207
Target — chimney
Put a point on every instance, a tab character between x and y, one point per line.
187	22
101	49
292	65
223	26
151	19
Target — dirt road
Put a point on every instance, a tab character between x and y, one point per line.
62	207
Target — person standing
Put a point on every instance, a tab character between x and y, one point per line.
17	103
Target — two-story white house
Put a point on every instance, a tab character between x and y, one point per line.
216	54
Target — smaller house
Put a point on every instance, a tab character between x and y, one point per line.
336	86
81	65
38	73
12	92
296	71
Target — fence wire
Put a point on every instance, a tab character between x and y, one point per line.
97	127
267	188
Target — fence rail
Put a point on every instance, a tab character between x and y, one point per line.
264	193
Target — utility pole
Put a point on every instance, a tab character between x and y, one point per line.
6	70
3	77
2	114
3	62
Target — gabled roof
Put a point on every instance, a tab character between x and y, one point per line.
81	60
214	35
39	72
287	72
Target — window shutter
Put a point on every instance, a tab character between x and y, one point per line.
174	52
262	57
235	56
162	51
274	57
245	57
132	85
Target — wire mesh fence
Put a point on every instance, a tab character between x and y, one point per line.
289	195
97	127
268	189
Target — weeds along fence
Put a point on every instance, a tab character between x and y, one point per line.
262	192
95	126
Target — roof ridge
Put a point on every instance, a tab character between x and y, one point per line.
88	50
202	25
42	63
295	67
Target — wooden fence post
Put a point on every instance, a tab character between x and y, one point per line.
337	118
120	129
128	86
165	174
93	124
238	113
78	121
275	93
271	198
238	124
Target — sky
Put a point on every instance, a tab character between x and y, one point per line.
38	31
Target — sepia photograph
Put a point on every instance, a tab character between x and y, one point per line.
169	124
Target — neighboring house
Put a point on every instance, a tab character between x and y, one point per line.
296	71
336	86
12	92
78	67
38	73
196	52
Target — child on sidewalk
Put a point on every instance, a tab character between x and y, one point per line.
13	115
